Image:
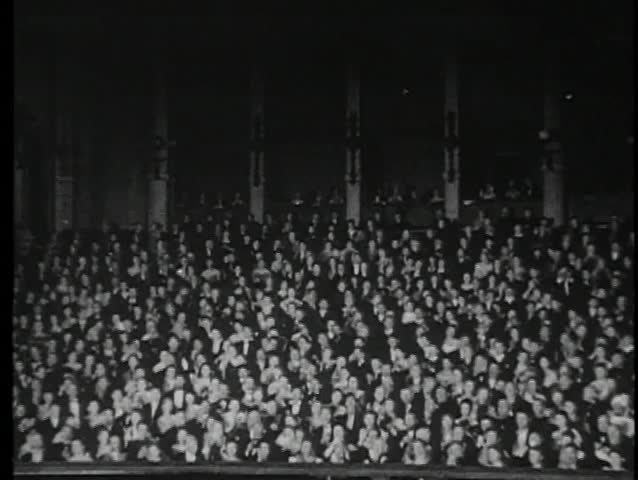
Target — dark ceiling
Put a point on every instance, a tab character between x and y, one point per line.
210	50
279	31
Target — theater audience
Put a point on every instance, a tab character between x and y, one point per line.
487	193
512	192
505	343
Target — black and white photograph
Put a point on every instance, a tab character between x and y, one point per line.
285	240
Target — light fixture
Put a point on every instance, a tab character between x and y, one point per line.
569	96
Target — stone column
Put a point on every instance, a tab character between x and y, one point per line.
83	174
353	144
552	156
159	174
18	184
256	179
451	172
63	149
64	179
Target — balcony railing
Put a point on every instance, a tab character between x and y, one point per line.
276	470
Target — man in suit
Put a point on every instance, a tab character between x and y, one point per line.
151	409
50	427
351	420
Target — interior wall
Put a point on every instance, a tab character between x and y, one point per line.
409	161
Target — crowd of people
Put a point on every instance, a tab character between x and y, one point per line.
512	191
504	343
393	196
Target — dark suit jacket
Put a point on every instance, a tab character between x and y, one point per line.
181	458
151	413
352	432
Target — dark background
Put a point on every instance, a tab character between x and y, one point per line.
106	55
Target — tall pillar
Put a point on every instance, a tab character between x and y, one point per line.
353	143
64	179
159	174
63	151
83	174
451	172
552	157
257	134
18	184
